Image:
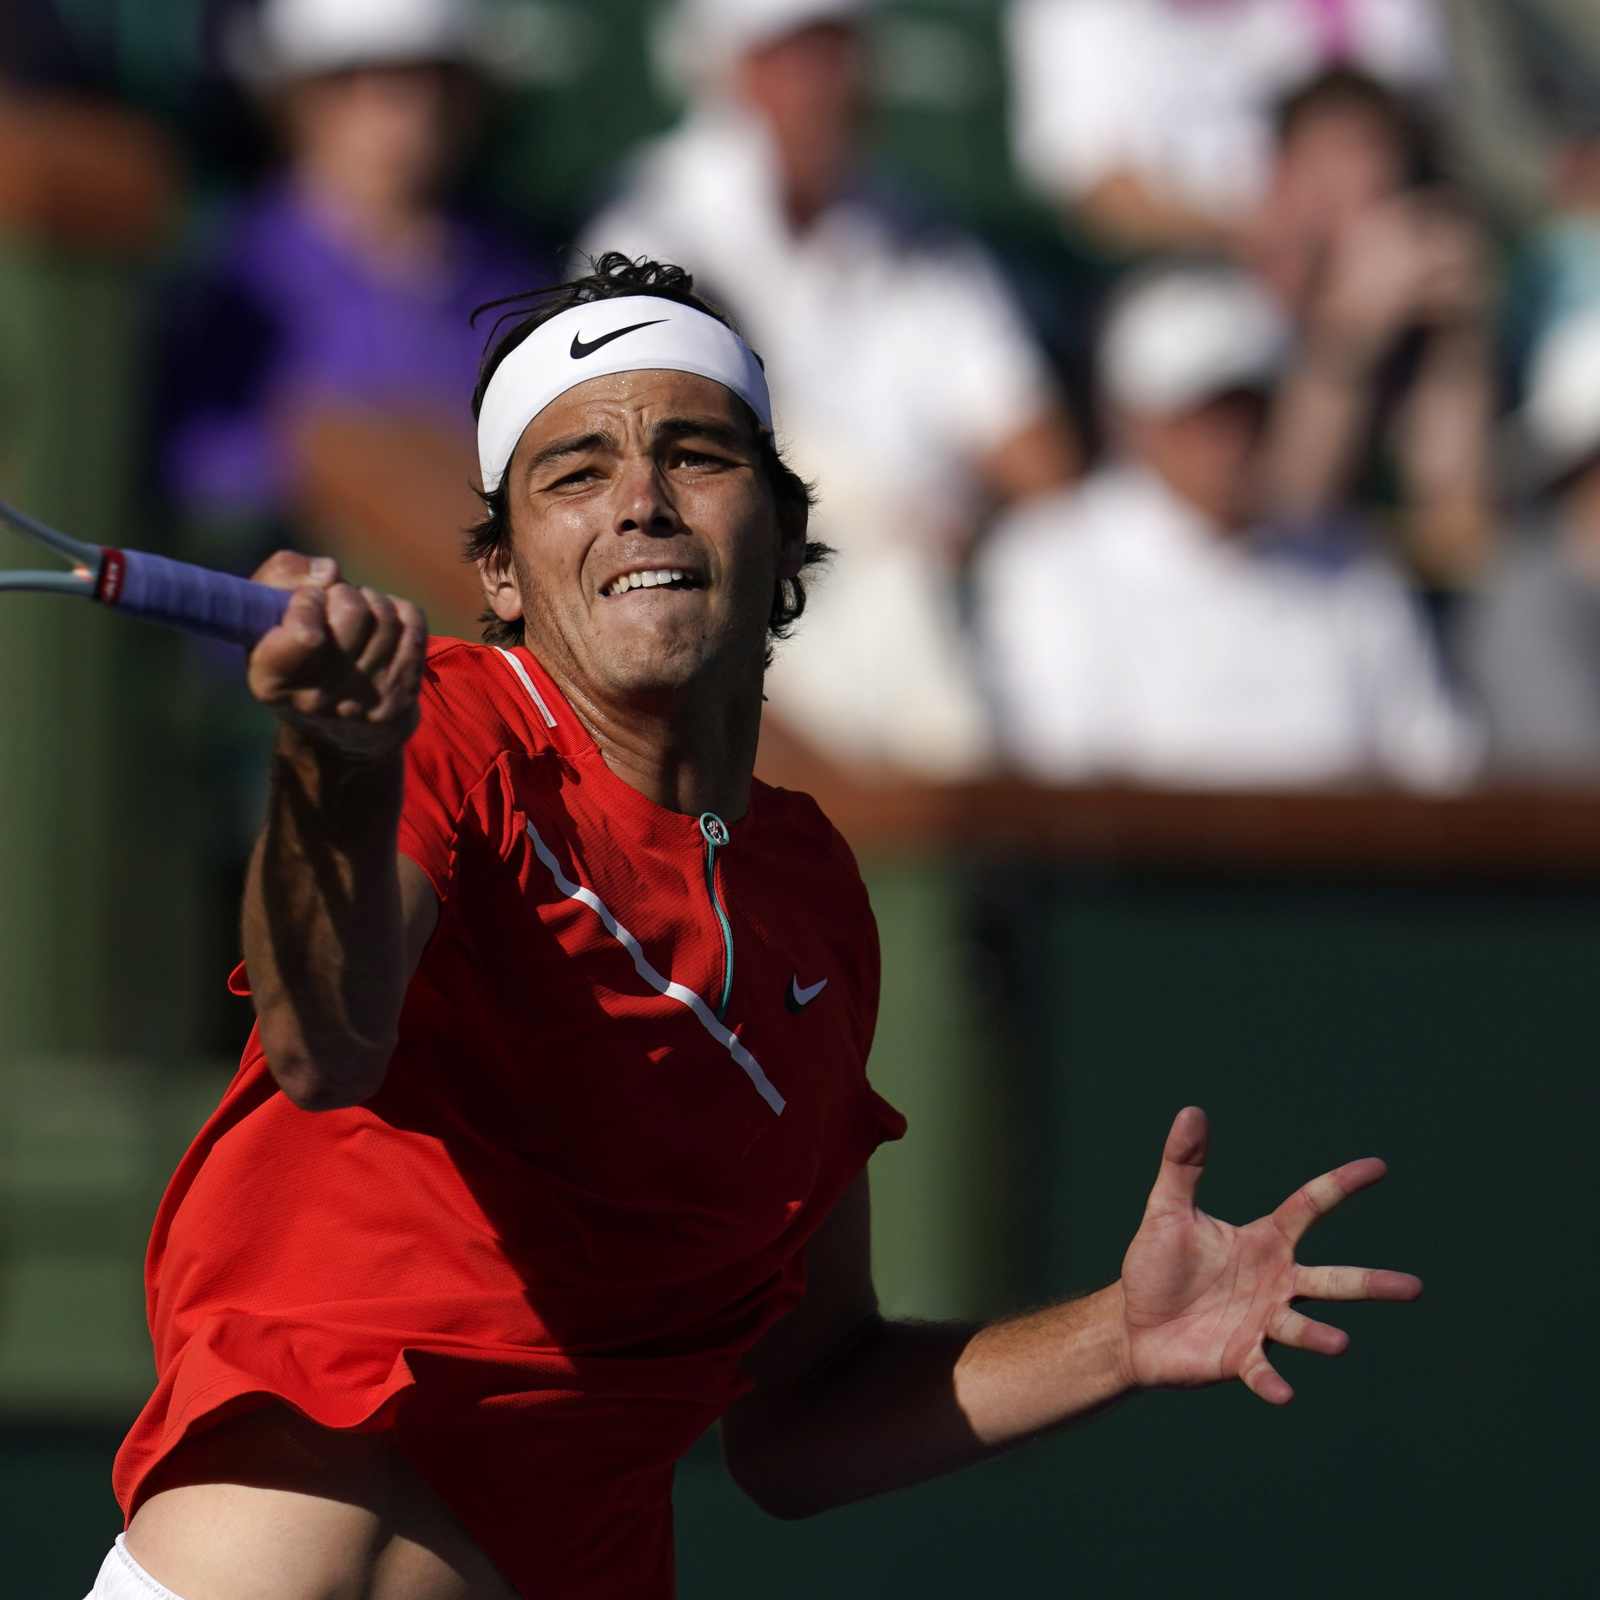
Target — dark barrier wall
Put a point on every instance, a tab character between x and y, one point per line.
1451	1451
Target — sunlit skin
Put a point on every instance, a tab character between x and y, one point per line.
650	471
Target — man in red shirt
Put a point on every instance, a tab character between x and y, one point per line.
570	1020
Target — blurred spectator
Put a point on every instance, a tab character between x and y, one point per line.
320	363
1562	271
1144	627
1526	79
75	172
904	380
326	362
1532	642
1386	280
1152	120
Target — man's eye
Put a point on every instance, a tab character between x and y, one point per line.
699	458
576	476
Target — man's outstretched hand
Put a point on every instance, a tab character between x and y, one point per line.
1203	1298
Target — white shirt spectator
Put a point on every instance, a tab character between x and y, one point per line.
897	359
1126	638
1181	93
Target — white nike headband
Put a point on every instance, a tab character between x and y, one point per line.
631	334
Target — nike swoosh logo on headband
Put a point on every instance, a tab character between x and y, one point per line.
580	349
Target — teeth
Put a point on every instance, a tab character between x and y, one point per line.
645	580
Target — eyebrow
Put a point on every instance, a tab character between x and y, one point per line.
708	428
574	445
729	437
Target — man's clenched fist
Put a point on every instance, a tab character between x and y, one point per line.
345	663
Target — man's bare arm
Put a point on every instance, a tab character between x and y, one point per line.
847	1405
334	919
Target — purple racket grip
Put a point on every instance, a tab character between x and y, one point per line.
214	605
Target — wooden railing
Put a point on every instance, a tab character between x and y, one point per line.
1529	836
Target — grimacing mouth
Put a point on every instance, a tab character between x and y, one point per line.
648	575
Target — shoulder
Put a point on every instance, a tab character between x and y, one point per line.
798	815
475	708
1053	530
808	834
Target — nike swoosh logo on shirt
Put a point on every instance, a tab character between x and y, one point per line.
797	999
580	349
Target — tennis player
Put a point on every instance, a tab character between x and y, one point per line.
548	1149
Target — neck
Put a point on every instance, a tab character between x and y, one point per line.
688	751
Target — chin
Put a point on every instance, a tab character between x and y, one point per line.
654	666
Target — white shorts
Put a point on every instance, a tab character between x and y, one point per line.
122	1578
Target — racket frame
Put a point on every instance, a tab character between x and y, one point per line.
88	559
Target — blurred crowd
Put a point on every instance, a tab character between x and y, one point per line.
1322	507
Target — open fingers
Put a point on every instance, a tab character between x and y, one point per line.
1183	1160
1317	1198
1264	1380
1303	1333
1355	1283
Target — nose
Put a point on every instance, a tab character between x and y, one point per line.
644	501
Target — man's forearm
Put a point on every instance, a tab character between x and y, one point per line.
909	1402
1315	431
323	929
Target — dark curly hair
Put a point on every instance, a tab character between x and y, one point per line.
612	276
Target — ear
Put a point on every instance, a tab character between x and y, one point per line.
498	575
794	521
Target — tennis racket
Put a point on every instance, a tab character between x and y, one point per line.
214	605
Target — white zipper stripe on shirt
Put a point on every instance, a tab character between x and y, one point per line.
527	683
673	991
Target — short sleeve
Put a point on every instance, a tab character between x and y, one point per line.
459	739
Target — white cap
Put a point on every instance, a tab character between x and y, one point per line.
304	38
1561	419
702	40
1187	335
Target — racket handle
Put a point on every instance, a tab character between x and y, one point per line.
214	605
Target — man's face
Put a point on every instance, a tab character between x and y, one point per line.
381	133
809	89
1206	454
1337	163
646	539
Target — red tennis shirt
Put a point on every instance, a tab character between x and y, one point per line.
630	1082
